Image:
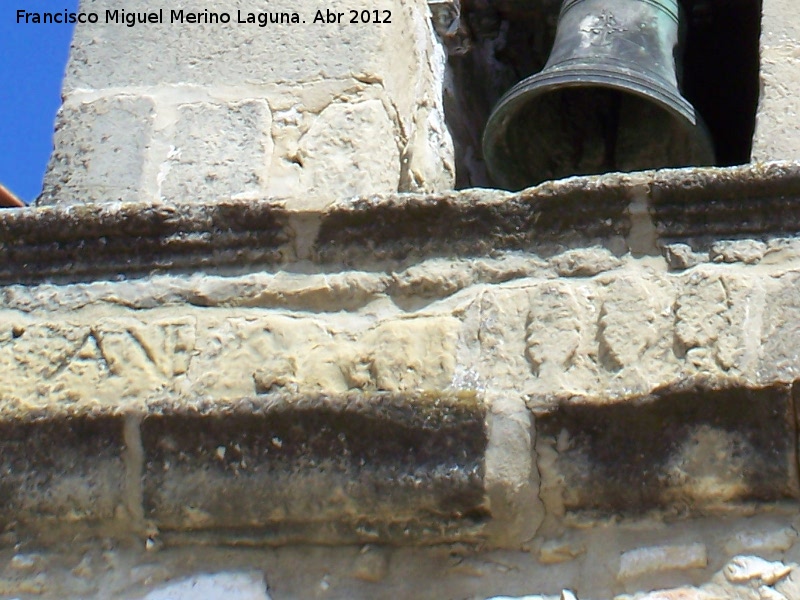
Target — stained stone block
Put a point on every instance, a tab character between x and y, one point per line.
218	151
99	151
693	449
61	468
358	467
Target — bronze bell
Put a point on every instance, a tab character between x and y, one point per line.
607	100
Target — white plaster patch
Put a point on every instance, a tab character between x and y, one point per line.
231	586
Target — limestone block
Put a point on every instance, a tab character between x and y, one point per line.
780	353
584	262
749	252
103	361
217	151
99	150
234	54
631	326
713	313
428	157
219	353
350	150
267	352
502	319
512	482
412	354
553	334
779	23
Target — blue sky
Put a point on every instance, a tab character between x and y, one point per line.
32	61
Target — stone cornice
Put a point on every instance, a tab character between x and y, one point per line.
640	212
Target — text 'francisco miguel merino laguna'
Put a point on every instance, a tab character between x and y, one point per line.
205	17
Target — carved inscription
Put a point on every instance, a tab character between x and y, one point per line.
105	360
553	330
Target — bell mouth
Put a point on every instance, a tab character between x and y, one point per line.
587	122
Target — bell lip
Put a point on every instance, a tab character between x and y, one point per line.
574	76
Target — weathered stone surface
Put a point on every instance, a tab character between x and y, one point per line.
512	481
654	559
61	468
106	361
562	550
339	161
599	344
632	329
713	314
762	542
680	256
104	161
217	151
697	450
746	251
746	569
132	237
778	105
789	586
372	564
679	594
584	262
236	54
548	221
368	468
762	204
780	358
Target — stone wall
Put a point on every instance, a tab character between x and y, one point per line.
308	111
237	332
573	352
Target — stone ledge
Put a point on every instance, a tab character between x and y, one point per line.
625	212
692	449
279	469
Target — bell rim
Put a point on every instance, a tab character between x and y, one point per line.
574	76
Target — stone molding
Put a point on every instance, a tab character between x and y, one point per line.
126	325
641	213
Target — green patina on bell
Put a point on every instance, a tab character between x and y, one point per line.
607	100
